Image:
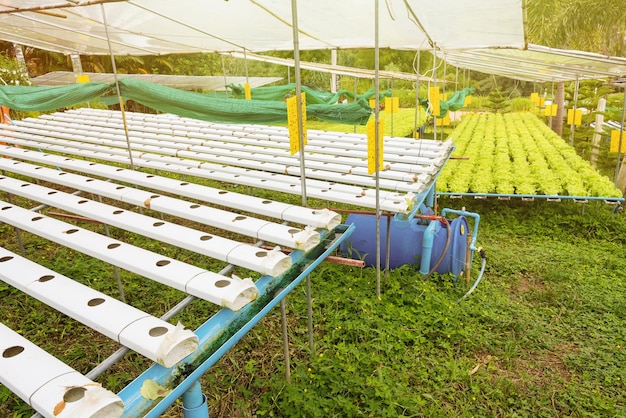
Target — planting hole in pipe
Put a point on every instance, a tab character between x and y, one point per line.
293	231
45	278
51	193
194	206
36	218
205	237
157	331
222	283
6	207
6	258
120	187
239	218
80	202
12	351
158	223
113	246
162	263
95	302
71	231
261	254
74	394
266	202
118	212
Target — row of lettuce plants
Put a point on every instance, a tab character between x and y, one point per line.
516	153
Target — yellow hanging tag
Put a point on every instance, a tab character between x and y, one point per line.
371	145
434	98
246	91
615	141
292	123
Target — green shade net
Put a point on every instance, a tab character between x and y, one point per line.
313	96
179	102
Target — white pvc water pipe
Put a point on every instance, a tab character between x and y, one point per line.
223	291
52	388
233	252
149	336
252	157
392	202
291	213
218	247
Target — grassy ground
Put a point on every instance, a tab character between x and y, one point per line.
543	335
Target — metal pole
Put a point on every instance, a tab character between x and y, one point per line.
245	62
310	315
391	110
224	69
117	87
417	93
283	318
377	148
571	127
355	93
619	145
333	76
296	57
434	84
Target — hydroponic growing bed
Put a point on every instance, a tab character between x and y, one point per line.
516	154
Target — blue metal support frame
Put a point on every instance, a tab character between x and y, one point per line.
224	329
612	200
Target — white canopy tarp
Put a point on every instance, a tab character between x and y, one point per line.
538	63
154	27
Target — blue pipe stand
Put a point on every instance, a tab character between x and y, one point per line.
194	402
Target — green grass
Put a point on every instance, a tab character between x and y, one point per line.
543	334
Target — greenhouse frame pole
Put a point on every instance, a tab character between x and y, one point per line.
621	139
376	146
572	126
117	87
417	93
434	85
296	58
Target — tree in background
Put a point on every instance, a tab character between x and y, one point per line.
589	25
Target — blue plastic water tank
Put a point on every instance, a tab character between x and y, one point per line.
407	242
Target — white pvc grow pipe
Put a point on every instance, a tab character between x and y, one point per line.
391	202
151	337
315	218
233	293
178	235
353	170
272	263
51	387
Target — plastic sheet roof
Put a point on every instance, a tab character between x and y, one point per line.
153	27
328	68
538	63
184	82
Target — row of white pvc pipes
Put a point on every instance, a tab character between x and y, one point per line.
55	389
